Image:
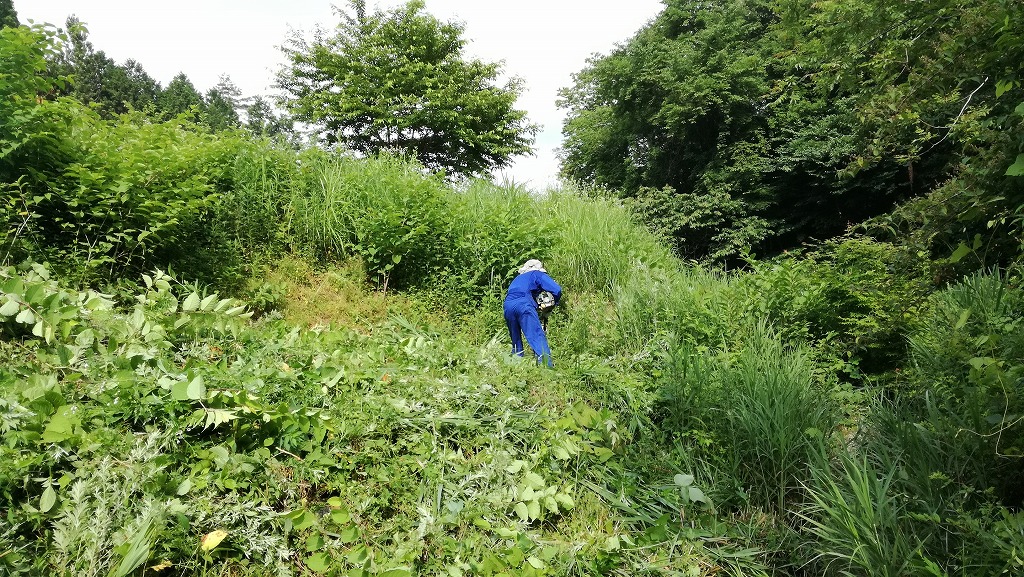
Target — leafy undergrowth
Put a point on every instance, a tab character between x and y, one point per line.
170	434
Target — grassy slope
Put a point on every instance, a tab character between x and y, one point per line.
390	437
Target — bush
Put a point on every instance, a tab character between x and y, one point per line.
967	381
854	298
385	210
495	229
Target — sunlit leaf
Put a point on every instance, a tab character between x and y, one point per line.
212	539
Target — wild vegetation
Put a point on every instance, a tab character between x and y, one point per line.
224	355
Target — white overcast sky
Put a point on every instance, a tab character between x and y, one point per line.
541	41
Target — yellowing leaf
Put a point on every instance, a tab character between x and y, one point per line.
161	566
212	539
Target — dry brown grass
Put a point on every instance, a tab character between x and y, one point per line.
338	295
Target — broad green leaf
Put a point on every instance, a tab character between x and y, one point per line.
48	500
358	555
696	495
960	252
551	504
314	542
535	562
522	510
206	302
565	501
980	363
10	308
184	487
683	480
534	480
302	519
1017	168
217	417
349	534
25	317
319	563
196	390
61	426
341	516
191	303
560	453
533	508
396	572
179	391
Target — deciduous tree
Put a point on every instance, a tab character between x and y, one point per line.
8	16
399	80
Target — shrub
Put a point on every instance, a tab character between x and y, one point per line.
598	244
854	297
966	380
384	209
494	230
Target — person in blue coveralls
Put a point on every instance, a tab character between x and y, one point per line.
521	313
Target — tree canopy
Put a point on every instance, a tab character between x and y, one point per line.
8	16
749	123
399	80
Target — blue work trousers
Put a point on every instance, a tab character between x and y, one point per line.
522	319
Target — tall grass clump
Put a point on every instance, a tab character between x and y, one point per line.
858	519
690	305
894	503
385	210
755	409
496	228
598	244
257	211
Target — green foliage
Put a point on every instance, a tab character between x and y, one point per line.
384	210
32	127
8	16
398	80
261	120
743	123
758	411
177	435
598	243
860	521
181	99
966	381
854	297
494	229
130	192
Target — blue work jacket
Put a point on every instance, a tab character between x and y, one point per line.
525	287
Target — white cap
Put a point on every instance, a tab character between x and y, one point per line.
532	264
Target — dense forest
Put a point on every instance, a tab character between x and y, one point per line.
252	335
